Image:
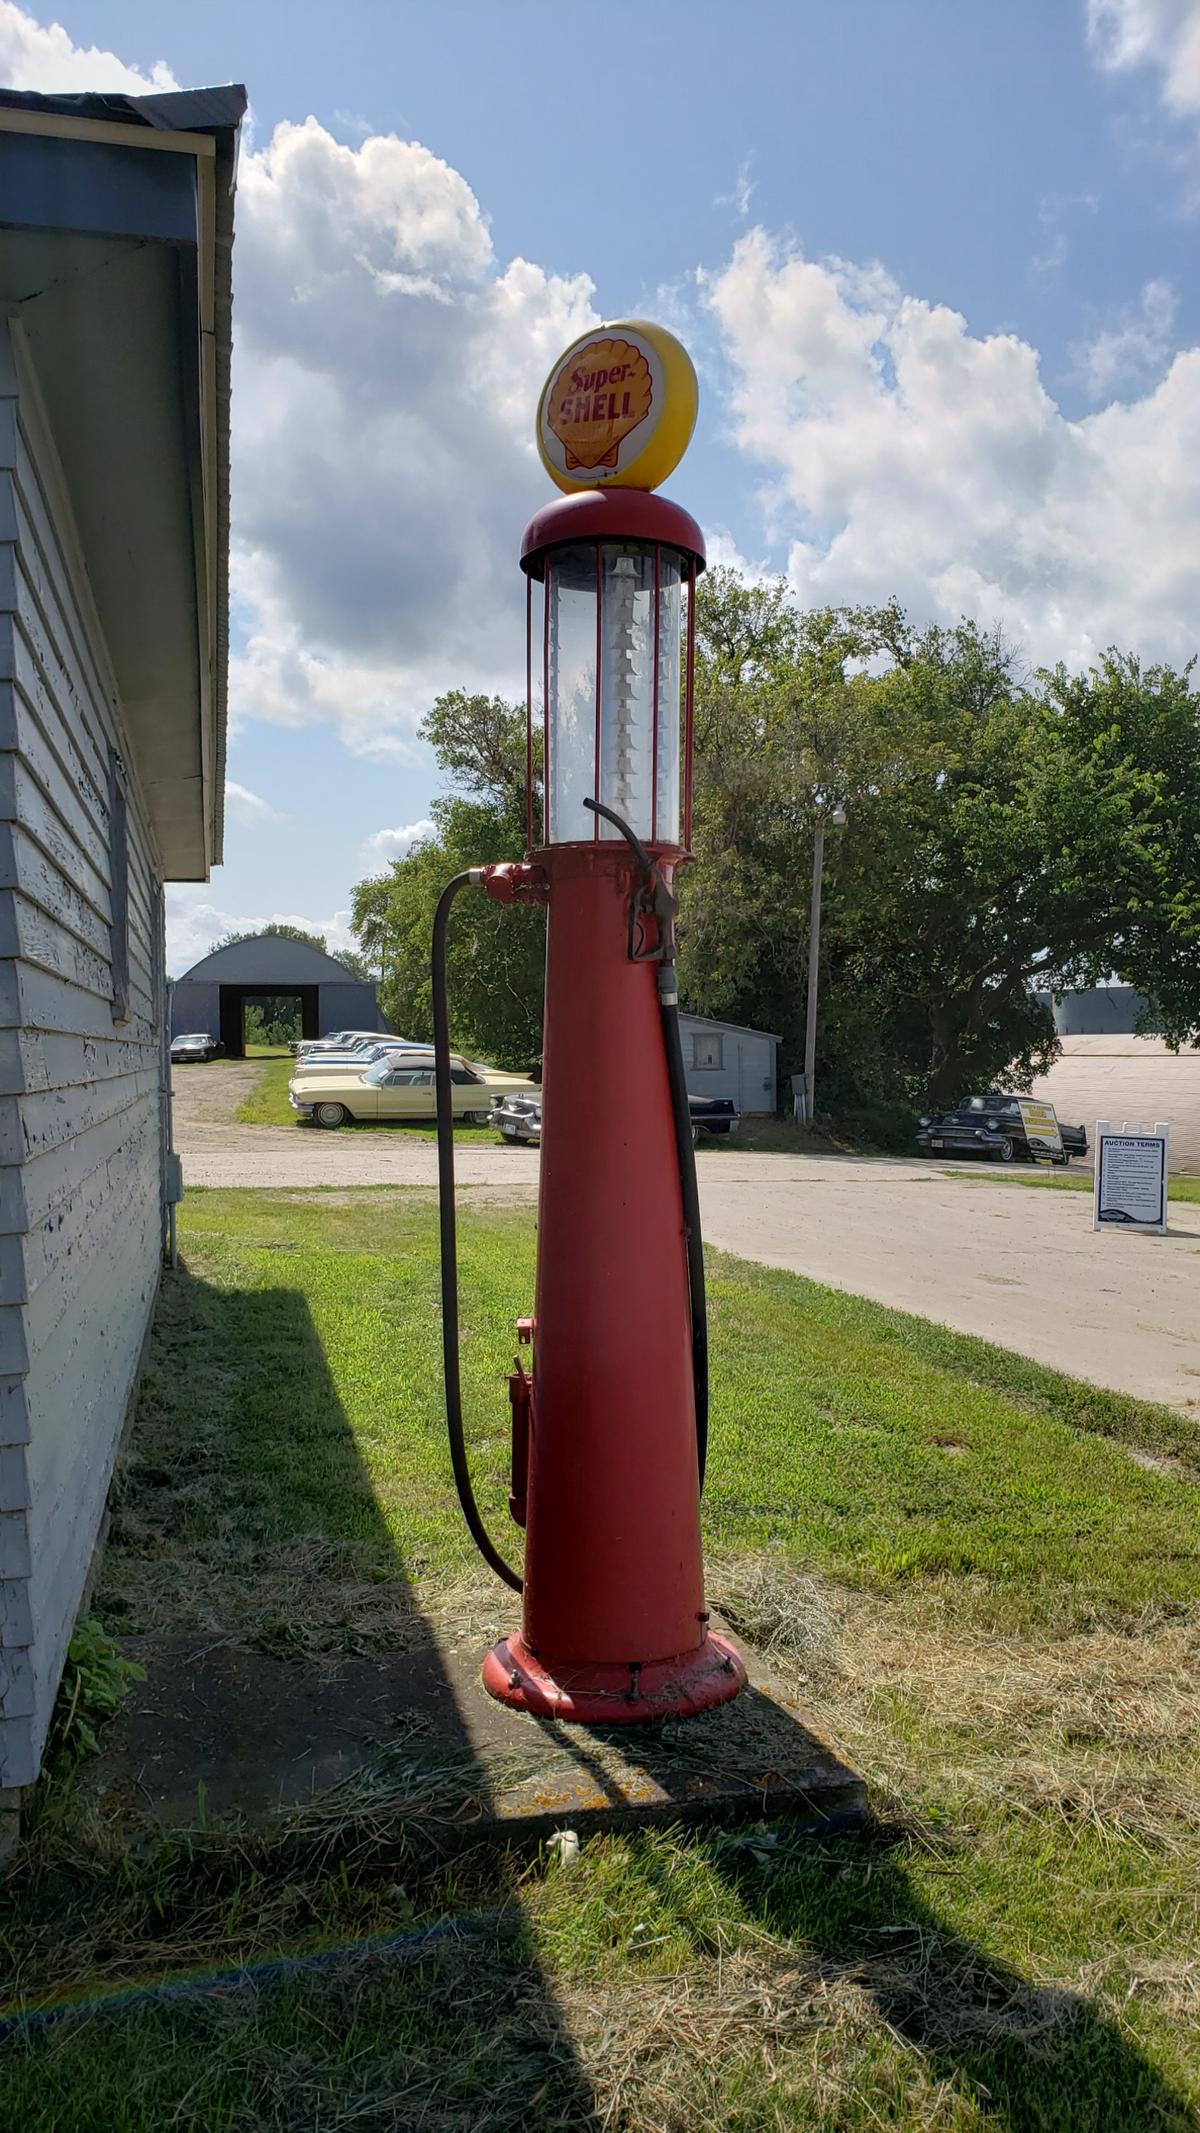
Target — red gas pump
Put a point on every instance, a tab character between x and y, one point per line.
610	1422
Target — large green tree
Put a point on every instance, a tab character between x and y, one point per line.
1007	834
495	952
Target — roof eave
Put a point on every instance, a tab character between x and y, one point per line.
204	124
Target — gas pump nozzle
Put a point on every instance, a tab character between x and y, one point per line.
653	900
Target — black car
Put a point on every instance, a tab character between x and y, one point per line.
991	1126
713	1114
191	1050
519	1117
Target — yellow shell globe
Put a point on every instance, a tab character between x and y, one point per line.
618	409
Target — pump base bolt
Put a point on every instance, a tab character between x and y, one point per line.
595	1694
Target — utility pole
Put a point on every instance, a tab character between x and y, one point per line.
837	821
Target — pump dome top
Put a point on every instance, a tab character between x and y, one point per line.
618	409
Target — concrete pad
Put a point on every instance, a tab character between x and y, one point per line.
1120	1077
411	1740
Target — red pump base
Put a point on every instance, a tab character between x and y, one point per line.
595	1695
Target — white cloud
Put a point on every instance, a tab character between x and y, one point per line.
386	370
33	56
195	922
385	845
247	807
1135	348
743	191
904	455
1053	211
1160	33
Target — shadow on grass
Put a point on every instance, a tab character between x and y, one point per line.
1031	2058
250	1555
251	1569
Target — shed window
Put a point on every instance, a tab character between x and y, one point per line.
706	1050
118	860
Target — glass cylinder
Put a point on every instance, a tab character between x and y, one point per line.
613	687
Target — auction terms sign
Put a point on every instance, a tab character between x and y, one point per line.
1131	1177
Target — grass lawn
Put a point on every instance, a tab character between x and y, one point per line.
982	1578
266	1104
1178	1188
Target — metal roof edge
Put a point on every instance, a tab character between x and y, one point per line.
748	1029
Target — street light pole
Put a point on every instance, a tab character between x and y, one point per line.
814	956
837	819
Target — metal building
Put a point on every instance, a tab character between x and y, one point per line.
726	1059
1102	1011
115	256
211	996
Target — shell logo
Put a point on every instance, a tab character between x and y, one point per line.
597	400
618	409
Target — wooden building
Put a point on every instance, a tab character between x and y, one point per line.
116	225
725	1059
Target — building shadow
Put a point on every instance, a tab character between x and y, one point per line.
250	1571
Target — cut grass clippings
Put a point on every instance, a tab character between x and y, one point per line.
952	1555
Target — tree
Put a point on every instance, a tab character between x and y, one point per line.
495	953
1139	734
1009	835
1006	835
280	928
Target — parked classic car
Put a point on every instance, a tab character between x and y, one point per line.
190	1050
991	1126
399	1086
358	1059
341	1040
519	1117
713	1114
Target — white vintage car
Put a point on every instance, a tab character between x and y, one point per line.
400	1086
356	1060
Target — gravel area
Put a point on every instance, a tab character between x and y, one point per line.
209	1094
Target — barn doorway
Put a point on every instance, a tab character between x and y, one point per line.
234	1000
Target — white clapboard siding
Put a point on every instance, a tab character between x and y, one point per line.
81	1085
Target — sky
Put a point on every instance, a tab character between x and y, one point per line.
935	261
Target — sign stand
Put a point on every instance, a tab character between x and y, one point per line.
1130	1189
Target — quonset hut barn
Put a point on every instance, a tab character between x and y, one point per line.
212	995
116	227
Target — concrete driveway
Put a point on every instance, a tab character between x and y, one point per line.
971	1249
1017	1264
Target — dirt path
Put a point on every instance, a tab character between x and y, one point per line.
209	1095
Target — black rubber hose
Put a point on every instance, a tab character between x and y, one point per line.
668	1003
685	1150
448	1235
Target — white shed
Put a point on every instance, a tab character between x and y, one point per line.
114	430
726	1059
